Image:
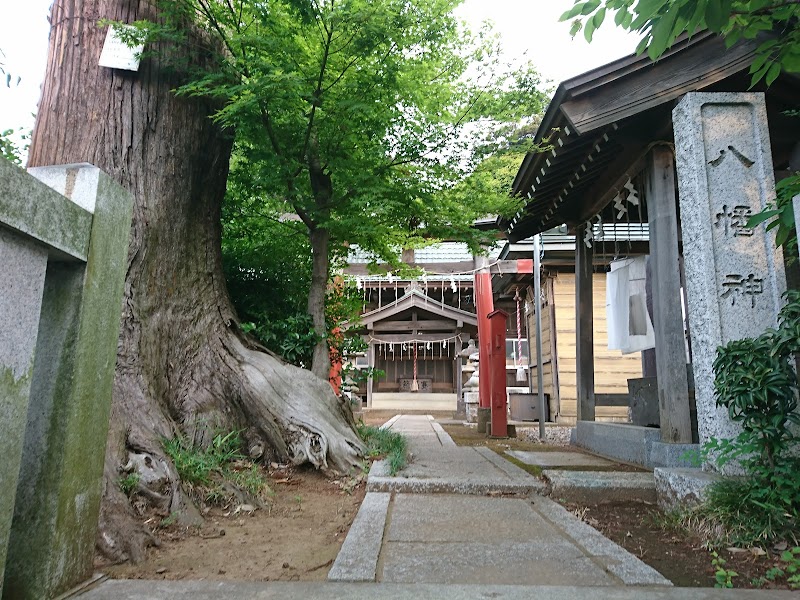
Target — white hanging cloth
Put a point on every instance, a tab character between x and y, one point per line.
629	326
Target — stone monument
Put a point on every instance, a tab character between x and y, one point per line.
734	274
62	272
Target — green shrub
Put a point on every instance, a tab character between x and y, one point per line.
385	443
756	382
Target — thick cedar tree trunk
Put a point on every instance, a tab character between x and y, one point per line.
182	365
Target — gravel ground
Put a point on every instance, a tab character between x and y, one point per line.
555	436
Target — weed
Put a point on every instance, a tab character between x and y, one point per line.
129	483
206	470
251	480
723	576
167	521
195	464
385	443
791	558
673	520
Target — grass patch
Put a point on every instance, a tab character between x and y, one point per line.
728	516
385	443
129	483
218	473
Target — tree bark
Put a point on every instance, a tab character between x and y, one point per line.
183	365
320	240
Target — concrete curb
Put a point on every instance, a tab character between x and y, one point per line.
444	437
414	485
358	558
280	590
390	422
613	557
595	487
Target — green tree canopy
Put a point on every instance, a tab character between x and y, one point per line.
360	116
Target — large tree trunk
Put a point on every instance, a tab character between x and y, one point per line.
183	365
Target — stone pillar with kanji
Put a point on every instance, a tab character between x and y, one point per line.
734	273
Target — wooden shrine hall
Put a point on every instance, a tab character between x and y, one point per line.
416	342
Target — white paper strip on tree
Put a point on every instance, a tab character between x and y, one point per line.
116	54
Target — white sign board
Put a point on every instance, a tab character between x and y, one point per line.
117	54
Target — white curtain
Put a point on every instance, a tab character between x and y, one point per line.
629	326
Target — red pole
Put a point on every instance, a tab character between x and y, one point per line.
497	377
484	304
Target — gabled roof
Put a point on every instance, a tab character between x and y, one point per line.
415	298
606	119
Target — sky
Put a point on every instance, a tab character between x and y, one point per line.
525	26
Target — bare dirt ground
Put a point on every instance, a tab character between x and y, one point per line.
677	553
296	537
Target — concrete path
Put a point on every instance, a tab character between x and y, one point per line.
471	531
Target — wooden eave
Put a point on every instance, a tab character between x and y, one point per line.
602	123
417	299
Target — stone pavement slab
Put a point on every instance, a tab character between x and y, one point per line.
601	486
559	459
434	518
277	590
529	563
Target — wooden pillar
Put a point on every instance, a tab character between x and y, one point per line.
584	326
484	304
498	320
673	388
371	364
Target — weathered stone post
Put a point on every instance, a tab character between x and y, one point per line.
734	274
58	423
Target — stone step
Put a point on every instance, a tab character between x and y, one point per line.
597	487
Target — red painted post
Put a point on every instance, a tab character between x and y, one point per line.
484	304
497	376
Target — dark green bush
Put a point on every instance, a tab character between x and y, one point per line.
756	382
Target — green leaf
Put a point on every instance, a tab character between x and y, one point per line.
661	34
598	18
642	45
590	6
762	216
573	12
715	18
772	74
588	30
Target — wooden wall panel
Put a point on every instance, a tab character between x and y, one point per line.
612	369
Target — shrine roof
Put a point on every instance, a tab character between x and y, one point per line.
416	298
601	124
